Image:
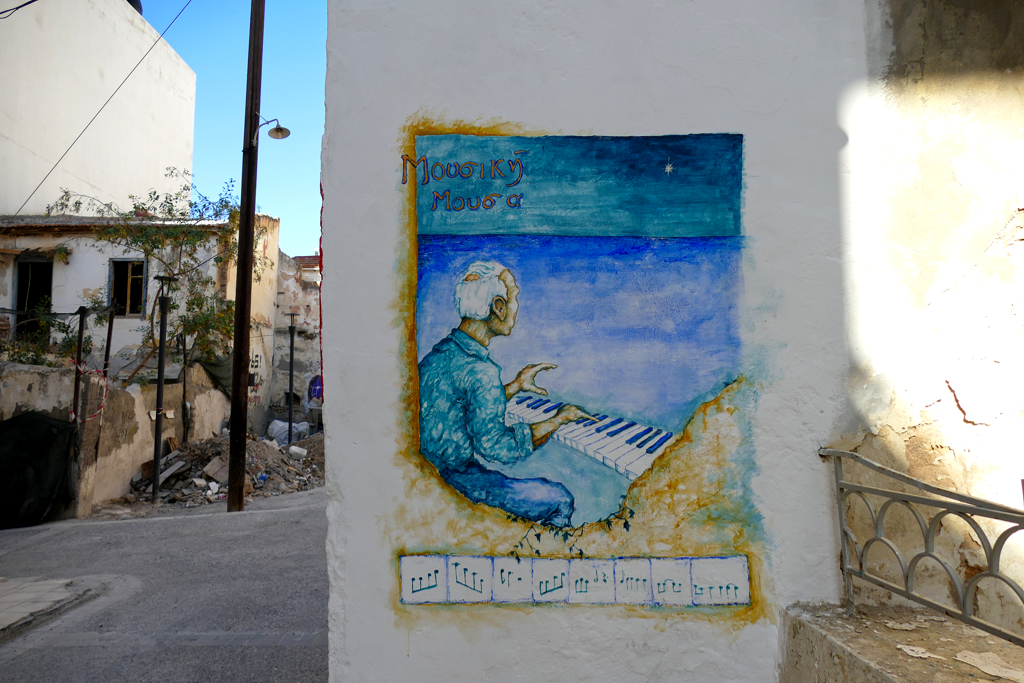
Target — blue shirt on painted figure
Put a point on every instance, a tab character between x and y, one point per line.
462	422
462	407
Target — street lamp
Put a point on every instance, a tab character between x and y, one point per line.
165	284
239	424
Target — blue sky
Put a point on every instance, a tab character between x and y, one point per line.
212	36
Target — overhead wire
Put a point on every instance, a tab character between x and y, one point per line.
6	14
104	104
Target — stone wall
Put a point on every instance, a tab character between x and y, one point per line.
934	279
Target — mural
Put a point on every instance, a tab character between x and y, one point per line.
576	333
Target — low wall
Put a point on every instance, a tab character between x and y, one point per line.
120	439
51	391
128	430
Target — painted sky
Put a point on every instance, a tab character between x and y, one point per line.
663	186
644	328
213	39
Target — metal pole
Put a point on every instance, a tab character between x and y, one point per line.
158	439
82	315
291	372
110	336
243	282
844	551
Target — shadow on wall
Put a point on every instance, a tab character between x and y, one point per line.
935	242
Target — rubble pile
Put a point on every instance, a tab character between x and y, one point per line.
197	473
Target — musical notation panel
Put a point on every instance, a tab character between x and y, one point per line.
592	582
669	582
720	580
470	579
424	578
512	580
550	580
633	583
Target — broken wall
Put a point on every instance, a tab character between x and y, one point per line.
51	391
934	254
129	427
295	295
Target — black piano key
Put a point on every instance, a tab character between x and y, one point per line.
633	439
660	442
645	441
554	407
523	400
622	429
537	404
609	425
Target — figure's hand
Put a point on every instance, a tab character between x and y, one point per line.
567	414
542	431
526	380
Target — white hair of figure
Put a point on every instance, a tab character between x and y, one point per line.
477	288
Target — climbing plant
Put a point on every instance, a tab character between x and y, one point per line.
184	235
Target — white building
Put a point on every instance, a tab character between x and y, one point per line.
61	60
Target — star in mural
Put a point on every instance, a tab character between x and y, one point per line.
668	168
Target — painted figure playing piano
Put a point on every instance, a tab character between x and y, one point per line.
463	402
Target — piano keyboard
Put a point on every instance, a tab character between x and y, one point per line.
624	445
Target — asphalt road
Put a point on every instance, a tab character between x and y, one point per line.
183	597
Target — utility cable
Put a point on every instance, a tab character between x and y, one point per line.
101	108
6	14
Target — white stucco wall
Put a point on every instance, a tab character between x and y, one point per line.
775	72
62	59
85	275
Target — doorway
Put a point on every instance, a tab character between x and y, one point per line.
35	287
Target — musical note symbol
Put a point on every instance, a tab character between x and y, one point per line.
582	585
431	582
697	591
735	590
556	583
465	580
661	586
677	587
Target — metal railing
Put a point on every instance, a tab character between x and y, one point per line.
947	504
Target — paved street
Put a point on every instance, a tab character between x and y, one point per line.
197	596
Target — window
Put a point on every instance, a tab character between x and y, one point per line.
128	287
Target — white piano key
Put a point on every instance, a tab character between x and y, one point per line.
610	455
614	443
589	438
641	464
575	437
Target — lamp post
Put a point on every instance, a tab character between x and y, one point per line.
165	283
239	423
291	372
